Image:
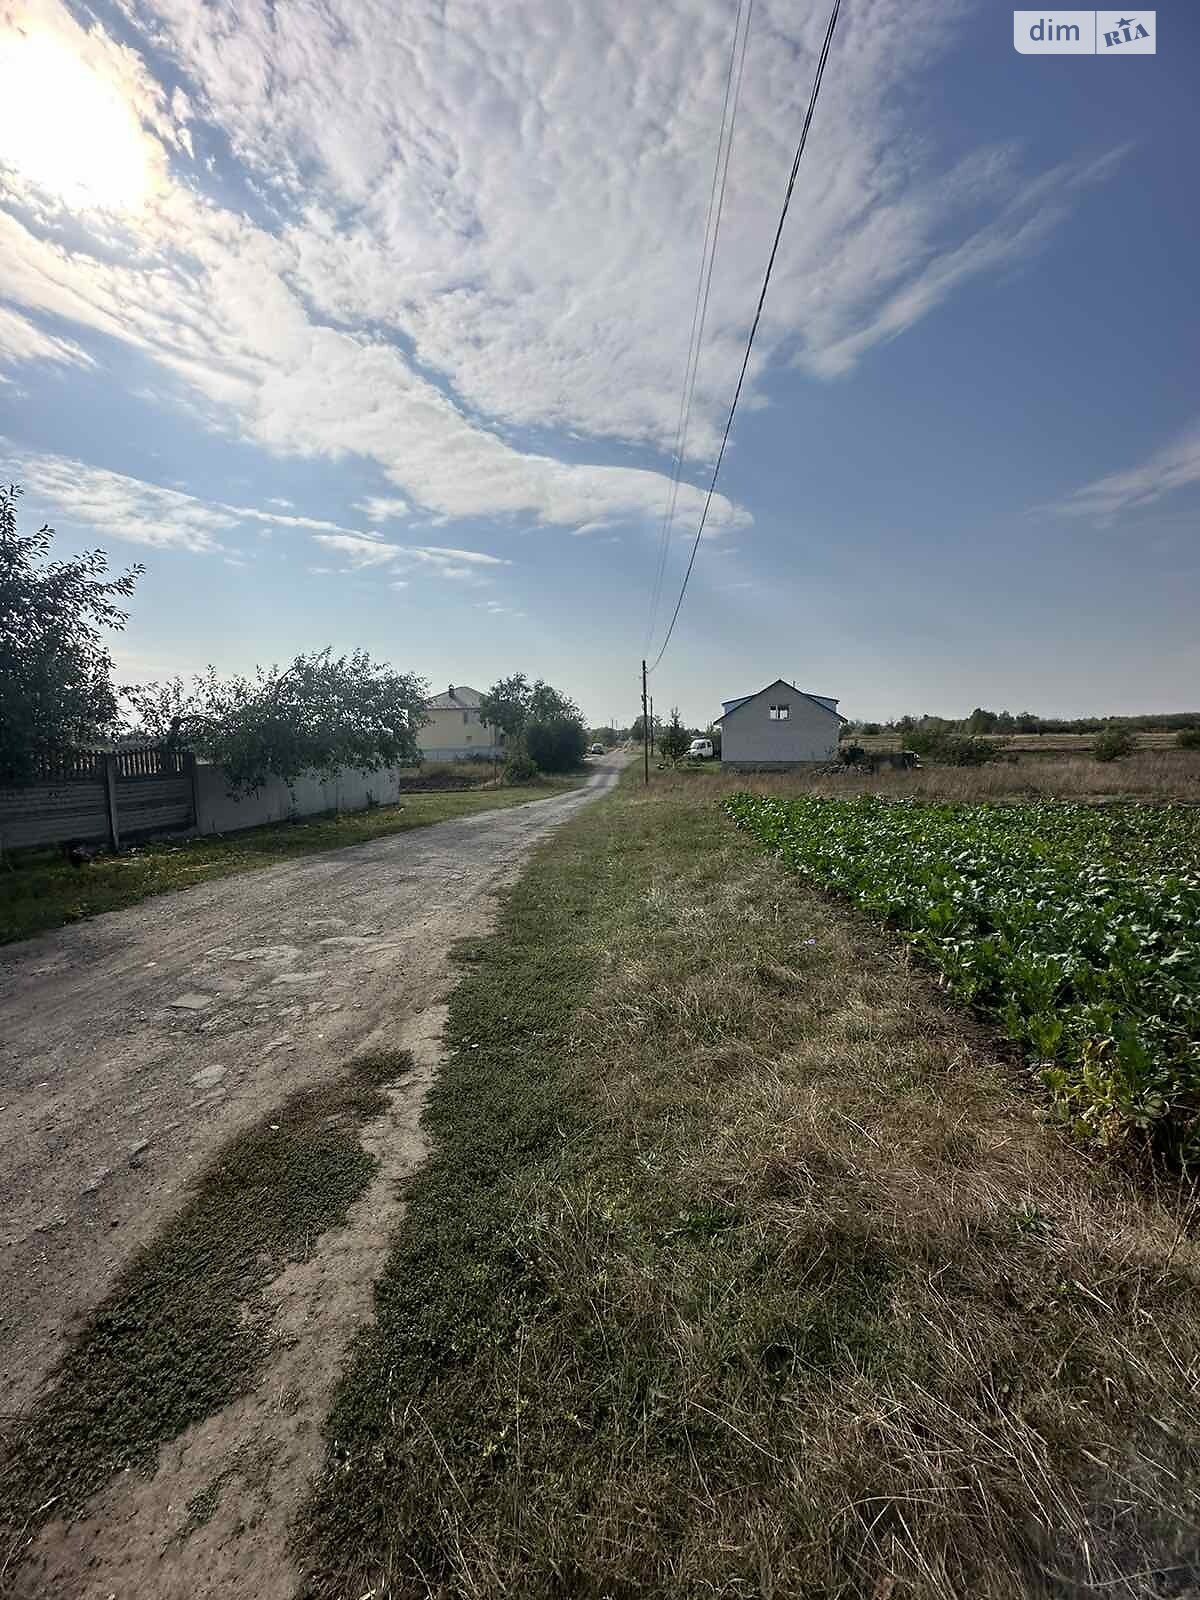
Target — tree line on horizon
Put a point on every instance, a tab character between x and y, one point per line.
981	721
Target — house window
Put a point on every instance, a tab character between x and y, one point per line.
778	713
466	716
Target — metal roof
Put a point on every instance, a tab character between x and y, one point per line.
825	702
459	697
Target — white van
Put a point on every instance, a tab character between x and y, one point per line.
700	750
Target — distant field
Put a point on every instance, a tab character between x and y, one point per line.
1040	744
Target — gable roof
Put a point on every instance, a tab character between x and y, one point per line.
459	697
823	702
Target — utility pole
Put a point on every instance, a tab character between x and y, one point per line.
645	728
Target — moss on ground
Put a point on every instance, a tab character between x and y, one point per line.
188	1327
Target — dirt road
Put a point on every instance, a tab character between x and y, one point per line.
133	1046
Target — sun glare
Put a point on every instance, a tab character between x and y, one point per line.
67	129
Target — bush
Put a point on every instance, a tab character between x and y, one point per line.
1112	744
674	739
952	749
1189	739
519	768
556	745
851	754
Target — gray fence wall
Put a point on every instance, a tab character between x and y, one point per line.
132	794
220	811
99	798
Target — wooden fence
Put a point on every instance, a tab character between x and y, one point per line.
100	797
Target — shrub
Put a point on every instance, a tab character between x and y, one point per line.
1189	739
851	754
674	739
1112	744
520	768
556	745
952	749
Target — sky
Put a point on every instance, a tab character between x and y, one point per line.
365	326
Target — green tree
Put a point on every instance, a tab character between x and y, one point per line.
673	741
56	687
321	713
506	705
557	744
538	720
512	703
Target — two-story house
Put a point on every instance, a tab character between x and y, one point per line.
455	731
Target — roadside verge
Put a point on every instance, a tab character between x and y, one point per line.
740	1265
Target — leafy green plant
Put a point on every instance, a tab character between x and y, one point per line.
1113	744
1188	739
1075	929
674	739
520	768
556	745
951	749
55	669
320	713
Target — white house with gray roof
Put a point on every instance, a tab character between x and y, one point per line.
779	727
456	731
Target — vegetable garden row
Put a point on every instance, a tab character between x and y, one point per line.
1074	928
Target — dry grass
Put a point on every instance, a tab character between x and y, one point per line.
1172	775
1041	744
743	1268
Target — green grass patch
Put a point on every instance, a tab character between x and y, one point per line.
187	1328
40	889
739	1269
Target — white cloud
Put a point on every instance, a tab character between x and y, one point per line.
528	220
116	506
453	211
22	340
381	508
359	551
111	505
1175	466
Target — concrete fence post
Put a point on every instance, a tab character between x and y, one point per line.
195	782
110	790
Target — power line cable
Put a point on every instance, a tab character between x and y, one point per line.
708	256
787	200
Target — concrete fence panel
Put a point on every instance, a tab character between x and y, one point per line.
52	813
219	810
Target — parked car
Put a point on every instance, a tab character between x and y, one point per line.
701	750
595	749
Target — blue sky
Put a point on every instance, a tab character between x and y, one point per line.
372	335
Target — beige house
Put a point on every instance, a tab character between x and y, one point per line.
455	731
779	727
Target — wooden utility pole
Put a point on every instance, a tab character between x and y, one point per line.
645	728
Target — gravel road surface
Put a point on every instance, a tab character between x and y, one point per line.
133	1045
